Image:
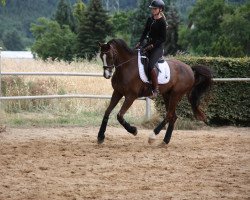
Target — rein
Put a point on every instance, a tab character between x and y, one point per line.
113	65
124	62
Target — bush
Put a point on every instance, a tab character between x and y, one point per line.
229	102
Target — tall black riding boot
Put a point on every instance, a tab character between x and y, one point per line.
154	80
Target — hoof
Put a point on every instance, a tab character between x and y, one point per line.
163	144
100	140
133	131
151	138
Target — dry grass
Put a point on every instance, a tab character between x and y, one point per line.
65	111
40	85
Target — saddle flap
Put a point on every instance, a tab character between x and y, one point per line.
164	75
144	61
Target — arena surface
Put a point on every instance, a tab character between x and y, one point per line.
66	163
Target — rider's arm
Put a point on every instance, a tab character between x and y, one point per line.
146	30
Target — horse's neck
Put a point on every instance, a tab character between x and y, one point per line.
127	68
124	57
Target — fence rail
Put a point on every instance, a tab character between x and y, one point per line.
98	75
84	96
50	74
148	101
231	79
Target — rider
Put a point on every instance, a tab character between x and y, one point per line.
155	32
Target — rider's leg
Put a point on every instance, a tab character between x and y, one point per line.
154	56
154	80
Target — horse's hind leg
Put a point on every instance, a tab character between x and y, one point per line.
171	104
116	97
126	105
160	126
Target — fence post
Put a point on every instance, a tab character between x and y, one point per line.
148	108
1	115
0	72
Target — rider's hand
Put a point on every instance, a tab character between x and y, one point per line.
137	45
147	48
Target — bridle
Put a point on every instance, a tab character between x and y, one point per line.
110	67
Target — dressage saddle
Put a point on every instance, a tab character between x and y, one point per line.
145	62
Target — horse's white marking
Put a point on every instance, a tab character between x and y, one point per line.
107	73
151	138
104	57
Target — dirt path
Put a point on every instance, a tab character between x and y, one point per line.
66	163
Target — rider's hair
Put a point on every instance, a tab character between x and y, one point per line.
163	16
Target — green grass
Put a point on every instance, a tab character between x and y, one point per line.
45	119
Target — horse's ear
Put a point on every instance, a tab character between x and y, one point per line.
100	44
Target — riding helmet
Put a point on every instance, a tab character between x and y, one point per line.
157	4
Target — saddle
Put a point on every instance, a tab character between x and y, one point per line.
162	66
145	62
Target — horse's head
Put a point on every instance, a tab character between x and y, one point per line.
108	58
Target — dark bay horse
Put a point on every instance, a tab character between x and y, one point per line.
193	82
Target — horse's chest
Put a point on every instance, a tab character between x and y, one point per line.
121	83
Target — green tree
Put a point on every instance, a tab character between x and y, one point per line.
2	45
13	41
234	40
138	20
52	40
64	15
121	24
93	29
3	2
218	29
206	17
78	12
173	20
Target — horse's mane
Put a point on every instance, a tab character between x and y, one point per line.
121	43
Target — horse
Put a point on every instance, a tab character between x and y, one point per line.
193	82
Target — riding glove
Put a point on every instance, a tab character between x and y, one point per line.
147	48
137	46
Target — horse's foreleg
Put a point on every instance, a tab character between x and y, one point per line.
116	97
171	116
126	105
166	97
170	129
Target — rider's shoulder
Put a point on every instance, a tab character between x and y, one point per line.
163	21
150	18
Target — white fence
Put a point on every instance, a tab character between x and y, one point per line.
148	101
87	96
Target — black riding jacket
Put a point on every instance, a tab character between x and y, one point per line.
156	30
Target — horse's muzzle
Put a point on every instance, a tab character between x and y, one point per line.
107	74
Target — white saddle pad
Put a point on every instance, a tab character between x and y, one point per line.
164	73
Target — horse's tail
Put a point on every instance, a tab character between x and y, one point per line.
202	84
